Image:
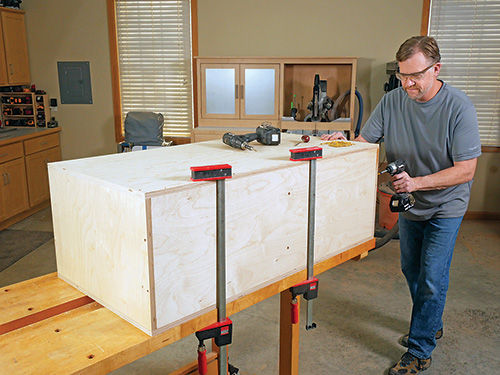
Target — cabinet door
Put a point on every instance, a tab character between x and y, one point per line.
220	91
16	48
38	179
260	91
13	192
4	80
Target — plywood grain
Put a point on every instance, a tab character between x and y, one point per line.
101	244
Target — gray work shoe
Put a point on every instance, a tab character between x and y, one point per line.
409	364
404	339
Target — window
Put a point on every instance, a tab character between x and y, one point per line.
151	44
468	35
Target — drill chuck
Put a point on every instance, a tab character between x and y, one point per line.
236	141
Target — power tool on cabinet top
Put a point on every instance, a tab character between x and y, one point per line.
400	202
264	134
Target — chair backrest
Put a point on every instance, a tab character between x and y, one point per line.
144	128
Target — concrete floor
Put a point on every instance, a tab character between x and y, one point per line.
362	310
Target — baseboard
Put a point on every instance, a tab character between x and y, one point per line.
481	215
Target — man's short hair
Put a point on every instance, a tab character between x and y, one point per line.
425	44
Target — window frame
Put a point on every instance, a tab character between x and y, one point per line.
115	69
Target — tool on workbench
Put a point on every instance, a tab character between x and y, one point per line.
304	139
320	103
308	288
221	331
400	202
264	134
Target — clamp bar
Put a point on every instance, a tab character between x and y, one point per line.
310	237
222	330
221	267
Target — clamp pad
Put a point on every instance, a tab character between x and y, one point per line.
308	153
211	172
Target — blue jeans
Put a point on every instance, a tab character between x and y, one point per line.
426	251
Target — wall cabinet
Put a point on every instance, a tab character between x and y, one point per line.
240	91
14	65
24	185
237	94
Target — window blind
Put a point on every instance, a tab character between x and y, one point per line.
154	58
468	35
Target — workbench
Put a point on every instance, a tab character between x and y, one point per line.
48	327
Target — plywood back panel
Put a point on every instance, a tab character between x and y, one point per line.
101	244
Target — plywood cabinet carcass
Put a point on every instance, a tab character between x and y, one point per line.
14	67
136	234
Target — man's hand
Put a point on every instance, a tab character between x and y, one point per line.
333	136
403	183
461	172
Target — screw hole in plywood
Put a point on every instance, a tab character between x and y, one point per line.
90	356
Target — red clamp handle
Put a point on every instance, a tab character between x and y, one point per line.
295	311
202	360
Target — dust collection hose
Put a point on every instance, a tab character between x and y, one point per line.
388	236
341	100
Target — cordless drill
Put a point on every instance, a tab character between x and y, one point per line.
264	134
403	201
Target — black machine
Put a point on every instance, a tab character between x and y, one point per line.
403	201
320	104
264	134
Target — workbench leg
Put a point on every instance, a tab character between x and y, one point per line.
289	337
361	256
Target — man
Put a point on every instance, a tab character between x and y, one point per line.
433	128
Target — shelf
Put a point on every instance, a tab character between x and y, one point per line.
39	108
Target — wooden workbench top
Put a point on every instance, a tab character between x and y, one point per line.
67	333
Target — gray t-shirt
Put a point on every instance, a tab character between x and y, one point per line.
429	137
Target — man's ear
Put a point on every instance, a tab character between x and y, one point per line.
437	69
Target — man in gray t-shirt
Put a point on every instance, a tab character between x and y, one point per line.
433	128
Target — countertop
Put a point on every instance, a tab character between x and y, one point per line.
11	135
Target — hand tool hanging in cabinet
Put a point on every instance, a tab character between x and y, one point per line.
221	331
309	287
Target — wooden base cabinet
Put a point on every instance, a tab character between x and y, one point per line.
13	192
24	185
36	169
